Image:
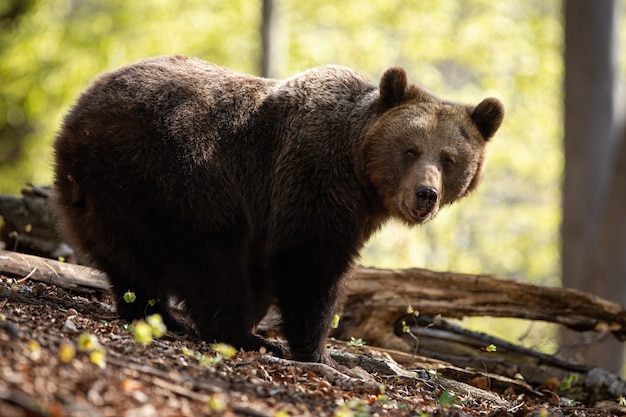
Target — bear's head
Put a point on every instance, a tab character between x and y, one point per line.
421	152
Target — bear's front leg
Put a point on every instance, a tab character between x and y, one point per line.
309	291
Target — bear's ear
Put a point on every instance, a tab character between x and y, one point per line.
393	85
487	116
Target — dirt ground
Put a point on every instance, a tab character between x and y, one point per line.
66	354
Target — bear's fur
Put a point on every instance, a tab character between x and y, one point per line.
179	178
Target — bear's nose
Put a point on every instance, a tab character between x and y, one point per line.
426	198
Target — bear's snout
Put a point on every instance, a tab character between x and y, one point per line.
425	199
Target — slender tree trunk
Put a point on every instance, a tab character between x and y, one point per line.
590	85
268	36
607	269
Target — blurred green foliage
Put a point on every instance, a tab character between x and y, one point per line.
462	50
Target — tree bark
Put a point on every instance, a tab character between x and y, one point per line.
590	81
69	276
384	295
607	269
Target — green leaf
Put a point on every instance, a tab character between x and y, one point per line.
218	402
98	357
405	327
447	399
87	342
189	352
225	350
156	323
143	332
355	342
568	382
129	297
67	351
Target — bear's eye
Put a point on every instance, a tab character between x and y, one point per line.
411	154
447	161
464	133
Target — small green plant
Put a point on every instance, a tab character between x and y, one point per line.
156	323
412	311
129	297
218	402
224	350
146	330
89	344
352	408
448	399
383	399
406	328
355	343
490	348
335	322
568	382
143	332
67	351
189	352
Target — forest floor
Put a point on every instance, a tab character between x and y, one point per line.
64	354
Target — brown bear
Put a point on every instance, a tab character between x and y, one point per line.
181	179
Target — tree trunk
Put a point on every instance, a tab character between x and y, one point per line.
268	53
590	81
607	272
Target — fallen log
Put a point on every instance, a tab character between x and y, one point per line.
381	310
69	276
29	225
386	294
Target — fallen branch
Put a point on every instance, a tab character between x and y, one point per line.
333	376
454	295
69	276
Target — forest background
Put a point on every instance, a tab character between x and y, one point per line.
466	50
